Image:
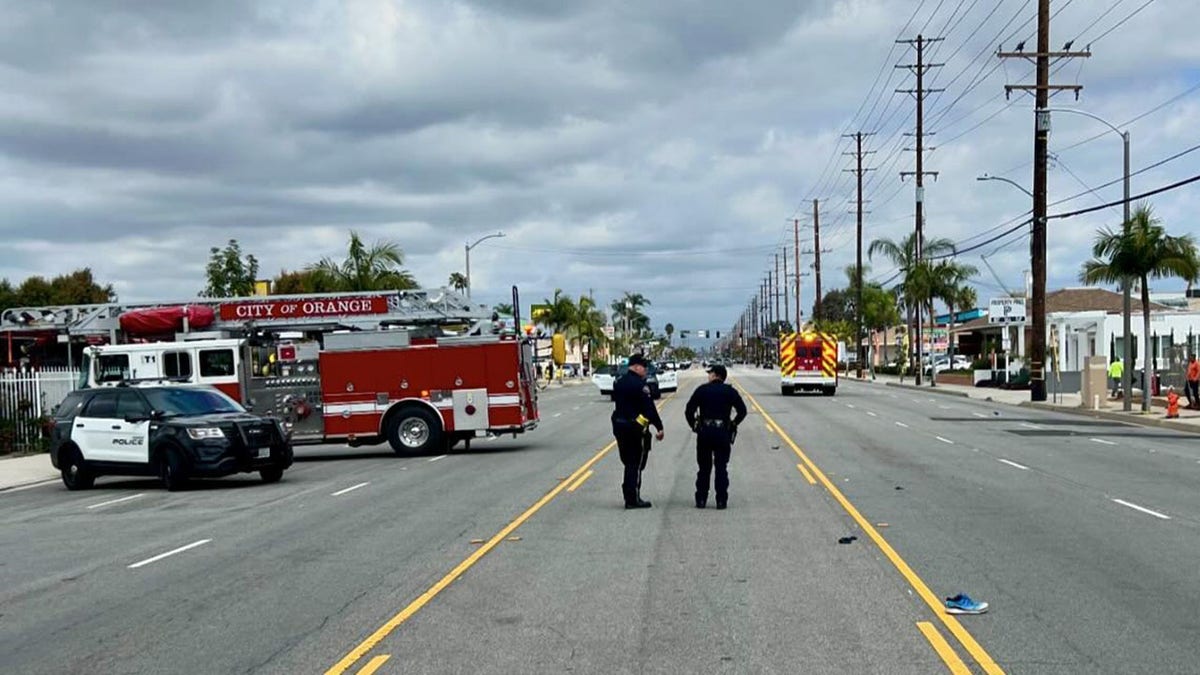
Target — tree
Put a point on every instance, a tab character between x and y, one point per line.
560	312
1139	252
913	282
627	311
75	288
229	274
299	282
835	306
669	329
587	326
458	281
379	267
958	299
503	309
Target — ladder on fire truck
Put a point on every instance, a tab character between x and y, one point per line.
307	312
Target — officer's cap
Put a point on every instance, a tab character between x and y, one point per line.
638	360
718	370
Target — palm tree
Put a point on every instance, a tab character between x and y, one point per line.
458	281
669	329
375	268
504	309
587	328
957	298
912	286
1139	252
628	311
560	313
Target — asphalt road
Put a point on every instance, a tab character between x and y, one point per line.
514	558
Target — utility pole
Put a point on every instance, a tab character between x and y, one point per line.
787	318
778	284
796	234
817	259
1041	144
859	172
919	93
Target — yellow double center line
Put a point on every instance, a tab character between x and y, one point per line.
952	624
415	606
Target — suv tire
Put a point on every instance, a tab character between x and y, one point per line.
75	475
271	474
171	470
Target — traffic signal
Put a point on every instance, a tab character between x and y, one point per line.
558	348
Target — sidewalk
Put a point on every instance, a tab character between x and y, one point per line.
26	470
1189	420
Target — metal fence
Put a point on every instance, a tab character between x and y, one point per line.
25	397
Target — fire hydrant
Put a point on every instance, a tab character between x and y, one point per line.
1172	403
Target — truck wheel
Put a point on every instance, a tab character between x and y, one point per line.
785	391
415	431
172	470
829	391
74	474
271	474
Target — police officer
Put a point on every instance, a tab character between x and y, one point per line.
631	420
714	432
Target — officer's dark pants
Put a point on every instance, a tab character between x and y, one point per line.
712	447
629	445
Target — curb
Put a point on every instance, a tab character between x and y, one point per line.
34	481
1138	421
928	390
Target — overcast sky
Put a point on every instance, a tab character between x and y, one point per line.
661	147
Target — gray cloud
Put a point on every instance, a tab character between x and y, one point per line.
135	135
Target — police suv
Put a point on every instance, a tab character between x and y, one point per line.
174	432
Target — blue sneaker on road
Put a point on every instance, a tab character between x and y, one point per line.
963	604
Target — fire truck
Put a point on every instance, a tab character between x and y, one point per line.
422	370
808	362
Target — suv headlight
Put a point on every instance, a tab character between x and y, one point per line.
203	433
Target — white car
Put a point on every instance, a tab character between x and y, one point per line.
668	380
603	378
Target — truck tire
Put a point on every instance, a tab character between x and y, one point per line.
785	390
829	391
172	469
413	430
75	475
271	474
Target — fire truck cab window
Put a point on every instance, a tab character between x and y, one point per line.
112	367
216	362
177	364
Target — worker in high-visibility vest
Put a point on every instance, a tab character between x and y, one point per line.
1116	370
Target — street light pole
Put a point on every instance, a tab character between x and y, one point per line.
468	248
1126	286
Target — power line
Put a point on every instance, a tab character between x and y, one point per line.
1122	21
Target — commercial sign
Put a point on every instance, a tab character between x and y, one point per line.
1006	311
293	309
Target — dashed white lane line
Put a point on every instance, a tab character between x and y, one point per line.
118	501
160	556
1027	425
915	400
901	424
872	414
978	414
1143	509
492	438
349	489
945	440
943	407
1101	441
558	414
1014	464
849	405
434	459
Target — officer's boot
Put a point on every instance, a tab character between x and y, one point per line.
722	500
701	500
633	501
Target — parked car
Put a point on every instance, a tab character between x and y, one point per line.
174	432
652	379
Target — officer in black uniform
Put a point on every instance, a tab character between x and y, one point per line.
631	420
714	432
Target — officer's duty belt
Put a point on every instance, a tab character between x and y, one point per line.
714	423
